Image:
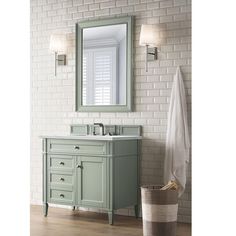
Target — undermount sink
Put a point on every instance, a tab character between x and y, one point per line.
92	132
108	137
97	137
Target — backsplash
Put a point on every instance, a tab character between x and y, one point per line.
86	129
53	98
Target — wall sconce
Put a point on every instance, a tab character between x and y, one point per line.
58	46
149	37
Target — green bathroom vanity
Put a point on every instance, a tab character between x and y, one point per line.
91	171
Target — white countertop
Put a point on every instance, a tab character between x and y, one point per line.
95	137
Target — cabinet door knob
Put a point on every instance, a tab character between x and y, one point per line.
79	166
62	195
76	147
62	163
62	179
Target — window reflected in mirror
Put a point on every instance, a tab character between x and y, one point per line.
104	65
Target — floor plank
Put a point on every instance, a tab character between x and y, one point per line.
65	222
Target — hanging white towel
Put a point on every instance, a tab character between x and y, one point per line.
177	139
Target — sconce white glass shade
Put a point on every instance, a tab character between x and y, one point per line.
149	35
58	43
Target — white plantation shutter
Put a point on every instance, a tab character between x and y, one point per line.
100	76
103	78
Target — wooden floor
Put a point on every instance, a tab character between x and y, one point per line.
65	222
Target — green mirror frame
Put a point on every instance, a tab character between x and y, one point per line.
129	66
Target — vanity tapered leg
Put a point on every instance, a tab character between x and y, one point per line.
111	217
136	210
73	209
45	209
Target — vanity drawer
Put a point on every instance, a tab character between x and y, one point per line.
56	178
76	146
58	162
61	195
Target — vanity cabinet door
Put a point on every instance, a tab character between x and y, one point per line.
92	181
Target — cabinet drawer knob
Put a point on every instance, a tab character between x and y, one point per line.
62	195
76	147
62	163
62	179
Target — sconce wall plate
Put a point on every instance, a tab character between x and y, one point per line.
61	59
152	54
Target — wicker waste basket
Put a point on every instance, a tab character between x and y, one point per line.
159	211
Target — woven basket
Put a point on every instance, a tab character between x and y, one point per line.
159	211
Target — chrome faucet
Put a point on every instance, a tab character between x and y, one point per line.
101	128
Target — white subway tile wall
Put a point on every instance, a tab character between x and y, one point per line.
53	98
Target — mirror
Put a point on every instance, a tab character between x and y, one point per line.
103	65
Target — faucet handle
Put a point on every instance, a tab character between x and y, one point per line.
100	124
